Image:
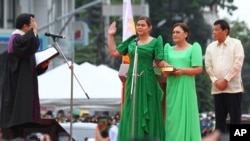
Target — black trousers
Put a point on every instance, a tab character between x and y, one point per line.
225	104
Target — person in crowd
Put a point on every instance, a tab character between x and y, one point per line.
49	114
37	136
182	116
147	113
102	129
224	59
20	100
61	117
214	136
206	126
113	129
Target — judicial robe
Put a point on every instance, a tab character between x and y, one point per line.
19	96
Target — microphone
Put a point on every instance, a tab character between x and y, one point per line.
53	35
137	39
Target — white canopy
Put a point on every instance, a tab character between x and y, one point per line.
100	83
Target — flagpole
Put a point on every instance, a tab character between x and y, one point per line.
129	30
133	88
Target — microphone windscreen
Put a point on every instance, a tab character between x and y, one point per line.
136	39
47	34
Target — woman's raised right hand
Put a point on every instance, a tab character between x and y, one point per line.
112	28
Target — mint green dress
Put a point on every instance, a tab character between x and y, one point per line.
148	111
182	116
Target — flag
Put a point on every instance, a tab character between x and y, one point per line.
128	29
128	23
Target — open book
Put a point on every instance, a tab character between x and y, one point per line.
45	55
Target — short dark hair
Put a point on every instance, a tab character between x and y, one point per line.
223	24
184	27
23	19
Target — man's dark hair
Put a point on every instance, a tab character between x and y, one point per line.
223	24
23	19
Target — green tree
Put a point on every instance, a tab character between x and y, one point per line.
240	30
203	87
95	51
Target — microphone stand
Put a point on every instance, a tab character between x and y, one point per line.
72	75
133	86
70	66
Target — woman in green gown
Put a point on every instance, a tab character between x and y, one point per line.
182	116
147	121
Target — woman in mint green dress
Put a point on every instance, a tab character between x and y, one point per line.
182	116
148	115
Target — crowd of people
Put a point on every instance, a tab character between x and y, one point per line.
111	123
107	126
142	113
207	124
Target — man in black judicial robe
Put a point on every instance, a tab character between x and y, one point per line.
19	96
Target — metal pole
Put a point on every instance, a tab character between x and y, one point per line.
72	92
133	88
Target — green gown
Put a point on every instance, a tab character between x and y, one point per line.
148	111
182	117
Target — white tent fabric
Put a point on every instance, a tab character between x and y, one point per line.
101	83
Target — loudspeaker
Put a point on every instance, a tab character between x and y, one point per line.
47	126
